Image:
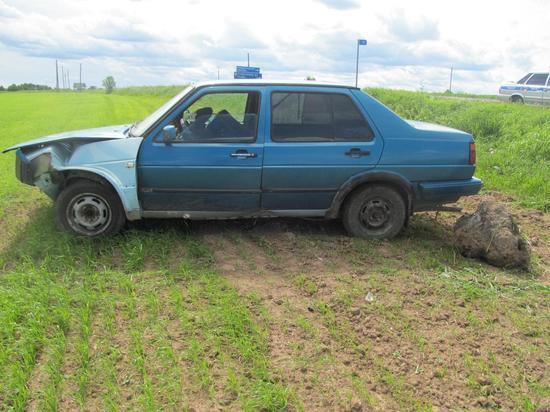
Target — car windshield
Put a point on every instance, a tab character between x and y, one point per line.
139	128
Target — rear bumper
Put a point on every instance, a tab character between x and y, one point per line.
429	195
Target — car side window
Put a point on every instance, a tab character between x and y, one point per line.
316	117
524	78
219	117
538	79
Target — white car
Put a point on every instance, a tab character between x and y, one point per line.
531	88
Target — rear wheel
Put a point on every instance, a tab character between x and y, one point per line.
89	209
376	212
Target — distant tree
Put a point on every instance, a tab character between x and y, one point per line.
2	88
92	88
109	84
12	88
310	77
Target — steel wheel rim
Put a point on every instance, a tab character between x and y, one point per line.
375	213
89	213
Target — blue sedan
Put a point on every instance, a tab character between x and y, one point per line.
237	149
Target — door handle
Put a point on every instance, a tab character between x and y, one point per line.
356	152
243	154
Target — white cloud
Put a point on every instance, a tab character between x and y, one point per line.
7	11
341	4
411	45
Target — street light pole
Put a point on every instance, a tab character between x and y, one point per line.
360	42
357	64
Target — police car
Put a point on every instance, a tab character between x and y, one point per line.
531	88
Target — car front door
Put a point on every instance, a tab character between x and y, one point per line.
206	156
318	138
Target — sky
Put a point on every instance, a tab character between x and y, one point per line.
411	44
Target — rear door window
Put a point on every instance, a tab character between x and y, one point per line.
538	79
316	117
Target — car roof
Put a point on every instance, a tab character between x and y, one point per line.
263	82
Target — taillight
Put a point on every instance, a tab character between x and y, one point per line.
472	159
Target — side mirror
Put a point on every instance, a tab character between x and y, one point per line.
169	134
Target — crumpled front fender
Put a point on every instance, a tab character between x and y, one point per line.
112	160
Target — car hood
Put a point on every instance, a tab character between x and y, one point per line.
83	136
433	127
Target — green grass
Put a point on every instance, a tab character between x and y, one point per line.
167	91
169	316
31	115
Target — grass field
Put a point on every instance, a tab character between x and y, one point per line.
273	315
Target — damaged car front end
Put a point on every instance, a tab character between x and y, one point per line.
90	174
105	156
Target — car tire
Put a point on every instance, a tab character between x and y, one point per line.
516	99
375	212
89	209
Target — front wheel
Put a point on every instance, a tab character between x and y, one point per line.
516	99
375	212
90	209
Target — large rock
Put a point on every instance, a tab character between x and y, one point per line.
491	234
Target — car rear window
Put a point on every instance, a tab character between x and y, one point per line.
316	117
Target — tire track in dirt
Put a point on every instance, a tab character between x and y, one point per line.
165	345
140	335
322	372
102	348
38	379
415	347
69	386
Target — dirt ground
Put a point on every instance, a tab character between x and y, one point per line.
351	324
412	345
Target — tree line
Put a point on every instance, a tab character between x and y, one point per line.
108	83
24	86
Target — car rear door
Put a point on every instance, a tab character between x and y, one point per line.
535	87
215	163
318	138
546	97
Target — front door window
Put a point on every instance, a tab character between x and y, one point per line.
219	118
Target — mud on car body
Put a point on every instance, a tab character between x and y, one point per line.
254	149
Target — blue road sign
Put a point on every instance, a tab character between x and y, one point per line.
362	42
248	69
247	72
237	75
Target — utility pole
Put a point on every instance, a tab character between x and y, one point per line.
451	81
360	42
218	72
56	76
80	78
68	80
63	76
248	59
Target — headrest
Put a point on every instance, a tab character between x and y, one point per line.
204	111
